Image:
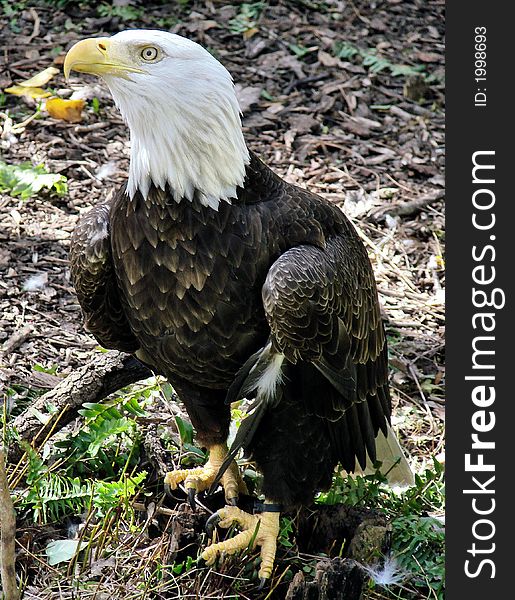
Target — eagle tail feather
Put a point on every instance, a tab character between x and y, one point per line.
394	465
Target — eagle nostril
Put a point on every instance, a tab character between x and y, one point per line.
102	46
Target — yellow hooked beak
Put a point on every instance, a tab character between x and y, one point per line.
99	56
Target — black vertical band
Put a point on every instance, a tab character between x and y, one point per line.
480	318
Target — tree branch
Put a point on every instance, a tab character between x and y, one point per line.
7	536
103	375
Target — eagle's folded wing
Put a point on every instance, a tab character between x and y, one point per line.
323	312
94	280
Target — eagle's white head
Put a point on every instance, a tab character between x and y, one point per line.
181	108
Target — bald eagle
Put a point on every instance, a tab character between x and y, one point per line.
231	283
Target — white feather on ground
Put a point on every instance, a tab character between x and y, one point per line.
35	282
389	573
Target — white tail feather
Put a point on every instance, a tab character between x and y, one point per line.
393	461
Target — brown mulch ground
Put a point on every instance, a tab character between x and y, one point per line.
370	141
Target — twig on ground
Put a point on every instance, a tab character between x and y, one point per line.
409	208
16	340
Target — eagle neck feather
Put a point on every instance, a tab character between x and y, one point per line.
194	148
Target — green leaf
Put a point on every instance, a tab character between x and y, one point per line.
168	392
26	181
193	453
108	428
133	407
299	51
177	568
246	19
345	50
267	96
374	61
406	70
41	369
95	105
185	430
60	551
109	494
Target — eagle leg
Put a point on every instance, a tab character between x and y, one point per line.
257	530
200	478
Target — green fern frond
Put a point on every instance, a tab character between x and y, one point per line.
375	62
54	495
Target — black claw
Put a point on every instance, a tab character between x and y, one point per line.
168	490
191	499
212	522
233	501
262	583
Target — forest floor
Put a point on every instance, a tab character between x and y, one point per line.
343	98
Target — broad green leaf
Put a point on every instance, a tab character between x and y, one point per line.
185	430
26	181
60	551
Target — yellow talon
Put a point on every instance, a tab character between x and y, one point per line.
201	478
263	529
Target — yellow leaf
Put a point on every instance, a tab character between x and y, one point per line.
31	92
41	78
250	33
66	110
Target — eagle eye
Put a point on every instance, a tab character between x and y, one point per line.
149	53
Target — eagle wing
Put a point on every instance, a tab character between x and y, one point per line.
95	283
324	315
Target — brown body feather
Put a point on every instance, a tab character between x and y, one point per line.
196	292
